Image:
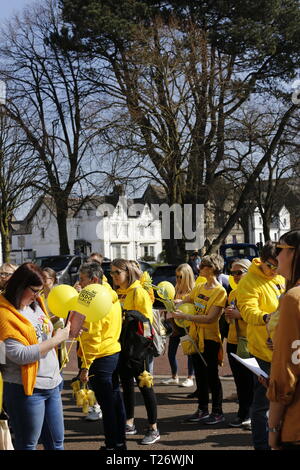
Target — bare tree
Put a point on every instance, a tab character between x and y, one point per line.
18	173
54	107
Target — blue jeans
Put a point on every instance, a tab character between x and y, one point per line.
105	383
39	416
259	409
172	350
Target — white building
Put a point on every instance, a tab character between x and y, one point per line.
112	225
280	225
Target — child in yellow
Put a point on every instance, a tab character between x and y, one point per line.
209	300
185	282
126	276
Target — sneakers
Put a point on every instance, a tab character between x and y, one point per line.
187	383
246	424
130	429
198	416
151	436
94	413
215	419
236	423
171	381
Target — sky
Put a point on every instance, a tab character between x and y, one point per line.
9	7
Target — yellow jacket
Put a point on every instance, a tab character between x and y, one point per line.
102	337
232	333
204	299
135	297
256	296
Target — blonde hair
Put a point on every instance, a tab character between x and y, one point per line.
186	284
11	266
133	272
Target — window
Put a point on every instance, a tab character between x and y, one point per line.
120	251
142	230
124	251
77	231
275	237
42	233
152	230
44	212
284	222
234	239
115	230
260	237
125	230
260	221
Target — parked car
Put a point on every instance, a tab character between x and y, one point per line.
165	272
230	251
65	266
106	269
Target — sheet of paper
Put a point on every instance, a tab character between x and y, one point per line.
251	364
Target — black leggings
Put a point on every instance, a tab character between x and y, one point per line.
243	379
127	375
207	377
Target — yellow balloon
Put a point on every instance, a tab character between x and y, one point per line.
200	280
59	298
94	301
232	282
188	309
166	290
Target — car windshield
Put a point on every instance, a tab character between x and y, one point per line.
58	263
241	252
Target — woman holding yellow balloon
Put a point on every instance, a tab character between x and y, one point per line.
31	373
209	300
185	282
126	278
100	348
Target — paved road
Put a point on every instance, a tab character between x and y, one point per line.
176	435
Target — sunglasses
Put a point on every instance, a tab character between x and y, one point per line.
238	272
271	265
178	277
35	292
4	274
115	273
205	266
279	247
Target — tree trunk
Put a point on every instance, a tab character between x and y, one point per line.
62	216
6	239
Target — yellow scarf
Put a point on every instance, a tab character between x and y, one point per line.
14	325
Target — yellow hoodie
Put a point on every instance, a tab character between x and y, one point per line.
102	337
257	295
135	297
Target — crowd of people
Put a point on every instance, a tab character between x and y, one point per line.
261	307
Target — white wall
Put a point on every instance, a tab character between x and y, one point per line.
282	225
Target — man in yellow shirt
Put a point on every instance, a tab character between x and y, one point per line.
100	359
257	297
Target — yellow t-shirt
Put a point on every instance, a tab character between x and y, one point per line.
135	297
102	337
204	299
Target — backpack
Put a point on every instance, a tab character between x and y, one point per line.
136	339
160	335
